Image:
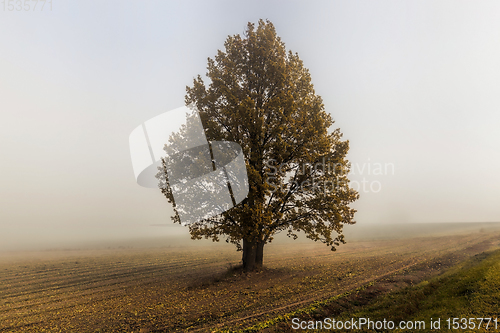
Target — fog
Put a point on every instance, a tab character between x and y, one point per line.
412	85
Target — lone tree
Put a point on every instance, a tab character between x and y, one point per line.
261	97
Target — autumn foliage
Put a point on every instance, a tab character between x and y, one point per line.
260	96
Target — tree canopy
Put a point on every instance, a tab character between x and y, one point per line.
260	96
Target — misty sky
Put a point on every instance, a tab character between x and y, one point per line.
411	84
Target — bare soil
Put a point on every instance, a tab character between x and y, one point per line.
198	289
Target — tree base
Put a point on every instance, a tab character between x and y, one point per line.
253	255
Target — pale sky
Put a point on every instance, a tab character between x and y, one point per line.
411	84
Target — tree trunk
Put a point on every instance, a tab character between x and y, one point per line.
253	255
249	254
259	255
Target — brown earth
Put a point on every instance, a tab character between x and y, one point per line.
196	289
